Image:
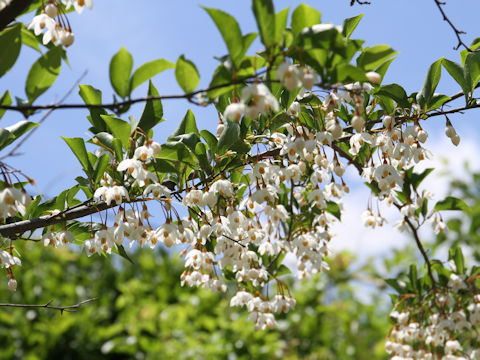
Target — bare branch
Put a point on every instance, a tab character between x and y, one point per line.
12	11
458	32
359	2
70	308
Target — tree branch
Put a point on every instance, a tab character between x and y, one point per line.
70	308
120	104
454	28
12	11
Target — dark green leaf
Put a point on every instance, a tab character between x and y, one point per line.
472	69
416	179
396	93
304	16
210	139
21	128
334	209
187	74
43	73
117	146
10	43
457	72
6	137
149	70
456	255
5	99
153	111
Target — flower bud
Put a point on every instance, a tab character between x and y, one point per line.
450	131
12	285
422	136
373	77
358	123
51	10
388	122
455	140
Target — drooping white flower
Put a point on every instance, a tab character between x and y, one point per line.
234	112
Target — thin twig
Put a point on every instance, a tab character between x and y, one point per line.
458	32
70	308
44	117
359	2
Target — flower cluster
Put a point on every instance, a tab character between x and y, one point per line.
13	202
444	327
53	23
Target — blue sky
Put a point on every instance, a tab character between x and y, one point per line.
167	29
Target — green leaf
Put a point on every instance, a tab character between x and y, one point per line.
230	135
436	101
416	179
120	129
280	25
350	24
210	139
105	139
123	253
231	33
29	39
472	69
21	128
265	18
6	137
282	270
120	69
457	72
186	126
92	96
10	43
247	41
430	84
149	70
153	111
304	16
374	56
334	209
117	147
5	99
452	203
99	167
187	74
456	255
77	145
396	93
43	73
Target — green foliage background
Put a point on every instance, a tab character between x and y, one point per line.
144	313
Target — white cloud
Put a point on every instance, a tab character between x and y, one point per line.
366	242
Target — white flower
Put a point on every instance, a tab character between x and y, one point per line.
358	123
234	112
40	22
113	193
223	188
289	75
456	283
259	99
294	109
158	191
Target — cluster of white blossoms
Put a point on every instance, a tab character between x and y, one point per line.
445	327
53	23
13	202
8	261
